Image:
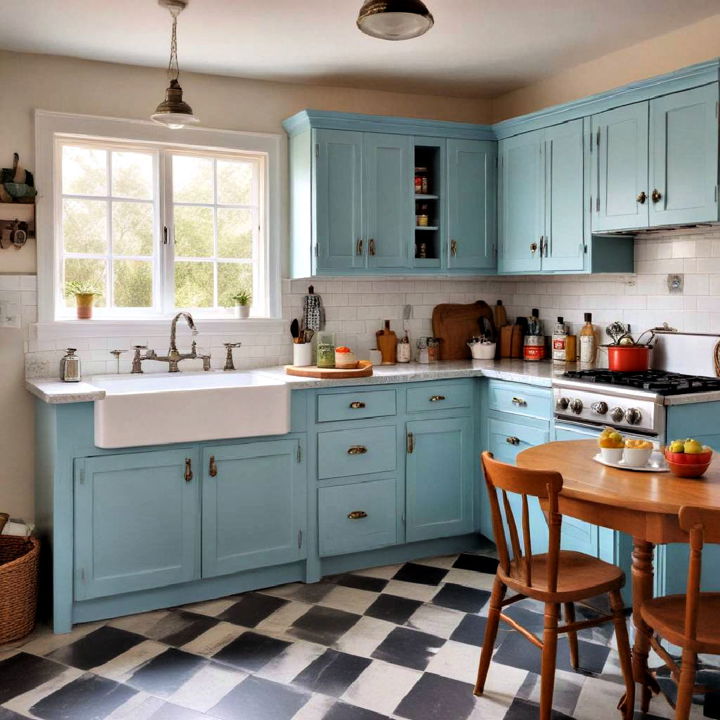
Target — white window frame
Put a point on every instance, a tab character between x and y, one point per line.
51	125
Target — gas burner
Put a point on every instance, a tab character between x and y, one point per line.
655	381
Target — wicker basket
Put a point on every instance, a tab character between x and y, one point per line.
18	586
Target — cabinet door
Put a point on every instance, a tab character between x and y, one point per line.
254	506
338	199
472	202
620	168
439	482
388	199
564	197
684	157
136	522
522	199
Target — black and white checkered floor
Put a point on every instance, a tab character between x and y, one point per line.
400	641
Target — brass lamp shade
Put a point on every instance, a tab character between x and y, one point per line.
174	112
394	19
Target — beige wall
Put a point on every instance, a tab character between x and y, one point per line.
77	86
665	53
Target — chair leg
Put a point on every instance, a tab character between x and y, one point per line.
549	655
491	628
569	610
627	704
688	668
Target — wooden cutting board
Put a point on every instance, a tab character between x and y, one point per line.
454	325
364	369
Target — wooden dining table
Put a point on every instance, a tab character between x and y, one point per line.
642	504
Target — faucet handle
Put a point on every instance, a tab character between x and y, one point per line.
140	347
232	345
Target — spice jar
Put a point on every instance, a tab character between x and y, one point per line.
422	219
421	181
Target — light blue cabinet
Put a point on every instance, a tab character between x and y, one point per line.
254	506
137	521
439	478
472	199
684	157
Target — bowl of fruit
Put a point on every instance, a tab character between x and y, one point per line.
637	452
688	458
611	444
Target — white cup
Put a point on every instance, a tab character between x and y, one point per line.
611	455
302	354
375	357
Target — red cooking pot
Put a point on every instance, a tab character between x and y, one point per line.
629	358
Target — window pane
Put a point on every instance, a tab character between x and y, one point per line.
84	226
84	171
235	233
132	284
235	182
132	175
193	231
233	277
192	179
193	284
89	274
132	228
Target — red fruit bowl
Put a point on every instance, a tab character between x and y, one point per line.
683	458
685	469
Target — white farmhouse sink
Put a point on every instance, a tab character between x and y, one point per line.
157	409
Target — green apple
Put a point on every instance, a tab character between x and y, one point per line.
677	446
693	446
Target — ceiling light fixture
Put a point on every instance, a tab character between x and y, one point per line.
394	19
173	111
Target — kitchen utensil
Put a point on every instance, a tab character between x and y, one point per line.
302	354
295	330
615	331
364	369
453	324
387	344
482	350
308	335
312	310
500	316
511	341
628	358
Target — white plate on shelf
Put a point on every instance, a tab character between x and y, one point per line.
651	466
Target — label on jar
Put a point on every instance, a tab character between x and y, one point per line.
558	347
534	352
587	348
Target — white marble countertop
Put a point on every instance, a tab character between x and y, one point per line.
53	391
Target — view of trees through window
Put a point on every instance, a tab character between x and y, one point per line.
113	226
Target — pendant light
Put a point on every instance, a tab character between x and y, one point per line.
173	111
394	19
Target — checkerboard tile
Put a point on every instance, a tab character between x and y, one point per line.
398	642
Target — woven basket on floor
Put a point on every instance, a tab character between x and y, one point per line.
18	586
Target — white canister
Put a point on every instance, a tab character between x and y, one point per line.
302	354
375	356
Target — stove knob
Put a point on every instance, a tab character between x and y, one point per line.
633	416
562	403
600	408
576	406
617	414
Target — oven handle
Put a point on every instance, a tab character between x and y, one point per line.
561	423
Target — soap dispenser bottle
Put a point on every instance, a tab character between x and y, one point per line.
70	366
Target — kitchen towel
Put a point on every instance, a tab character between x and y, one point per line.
312	311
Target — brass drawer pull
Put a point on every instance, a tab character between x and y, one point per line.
359	247
357	450
512	440
437	398
410	443
642	197
188	470
371	246
213	466
656	195
519	402
357	405
453	247
357	515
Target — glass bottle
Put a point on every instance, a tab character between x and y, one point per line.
559	341
588	341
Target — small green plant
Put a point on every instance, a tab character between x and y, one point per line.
242	297
76	287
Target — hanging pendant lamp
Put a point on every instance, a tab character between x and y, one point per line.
173	111
394	19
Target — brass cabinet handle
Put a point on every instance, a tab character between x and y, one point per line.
410	443
519	402
642	197
357	405
371	246
188	470
656	195
357	515
512	440
542	245
357	450
533	247
436	398
359	247
213	466
453	247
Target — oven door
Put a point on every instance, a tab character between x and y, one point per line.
565	430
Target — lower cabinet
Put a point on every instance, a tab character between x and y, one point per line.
439	478
137	521
254	506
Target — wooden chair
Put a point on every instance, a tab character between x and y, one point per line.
554	578
691	621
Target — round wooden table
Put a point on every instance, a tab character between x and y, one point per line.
643	505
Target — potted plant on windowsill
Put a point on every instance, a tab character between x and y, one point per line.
85	295
242	300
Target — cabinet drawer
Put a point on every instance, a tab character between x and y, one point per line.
520	399
439	396
357	517
507	439
355	405
357	452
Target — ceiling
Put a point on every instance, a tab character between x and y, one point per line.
478	48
